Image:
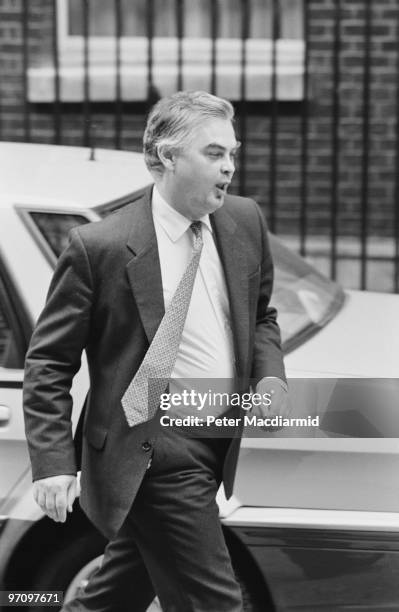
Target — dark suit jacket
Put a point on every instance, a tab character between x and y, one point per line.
106	297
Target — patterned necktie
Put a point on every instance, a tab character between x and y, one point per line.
141	399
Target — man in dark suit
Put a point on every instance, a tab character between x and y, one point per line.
174	286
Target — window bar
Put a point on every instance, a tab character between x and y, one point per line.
180	36
304	133
150	52
86	78
118	83
335	140
274	116
365	143
1	111
396	202
245	15
1	105
25	51
57	84
214	15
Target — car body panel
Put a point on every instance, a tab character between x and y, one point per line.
325	569
310	478
68	174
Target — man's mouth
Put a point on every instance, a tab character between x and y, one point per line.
222	187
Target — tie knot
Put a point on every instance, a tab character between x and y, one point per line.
196	228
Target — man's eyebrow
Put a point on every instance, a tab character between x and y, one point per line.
215	145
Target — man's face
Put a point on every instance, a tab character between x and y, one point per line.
204	168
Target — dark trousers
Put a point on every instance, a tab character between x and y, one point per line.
171	542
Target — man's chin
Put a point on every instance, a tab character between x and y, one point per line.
216	202
209	206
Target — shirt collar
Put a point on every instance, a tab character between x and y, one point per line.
174	223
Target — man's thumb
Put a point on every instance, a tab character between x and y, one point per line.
71	494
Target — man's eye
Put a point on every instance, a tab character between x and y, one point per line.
215	155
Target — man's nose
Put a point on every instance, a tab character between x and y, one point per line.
228	166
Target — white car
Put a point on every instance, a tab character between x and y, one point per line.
314	522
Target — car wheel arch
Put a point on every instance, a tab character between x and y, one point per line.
37	542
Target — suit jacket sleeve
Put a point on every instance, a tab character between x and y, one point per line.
267	355
53	358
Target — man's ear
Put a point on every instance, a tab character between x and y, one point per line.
167	155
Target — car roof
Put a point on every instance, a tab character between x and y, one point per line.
55	175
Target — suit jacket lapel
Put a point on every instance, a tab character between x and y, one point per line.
144	271
232	255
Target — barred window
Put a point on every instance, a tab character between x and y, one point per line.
197	16
195	44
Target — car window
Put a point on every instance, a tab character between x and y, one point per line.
55	227
305	299
13	335
51	228
6	339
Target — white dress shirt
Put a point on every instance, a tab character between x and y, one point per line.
206	349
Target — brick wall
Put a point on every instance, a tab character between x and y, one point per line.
38	124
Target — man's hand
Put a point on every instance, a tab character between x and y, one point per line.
55	495
280	404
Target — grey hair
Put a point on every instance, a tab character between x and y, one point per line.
172	119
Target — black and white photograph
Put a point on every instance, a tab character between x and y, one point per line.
199	305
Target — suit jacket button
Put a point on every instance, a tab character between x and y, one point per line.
146	446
